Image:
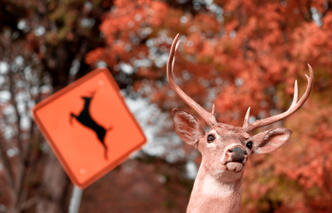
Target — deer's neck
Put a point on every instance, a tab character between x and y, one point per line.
211	196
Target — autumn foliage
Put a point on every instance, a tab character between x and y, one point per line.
234	54
238	54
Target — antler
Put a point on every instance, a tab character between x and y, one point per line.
293	107
205	115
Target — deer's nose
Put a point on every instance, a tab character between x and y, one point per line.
237	154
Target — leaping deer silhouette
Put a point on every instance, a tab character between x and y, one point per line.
84	118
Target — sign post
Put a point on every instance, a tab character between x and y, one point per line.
75	200
89	128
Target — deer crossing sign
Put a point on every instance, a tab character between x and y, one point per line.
89	127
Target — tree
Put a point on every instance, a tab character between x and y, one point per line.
240	53
42	49
235	54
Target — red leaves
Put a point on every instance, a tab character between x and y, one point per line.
248	57
128	16
94	56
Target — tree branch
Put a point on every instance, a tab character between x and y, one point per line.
17	113
9	174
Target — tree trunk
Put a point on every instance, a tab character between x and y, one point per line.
54	183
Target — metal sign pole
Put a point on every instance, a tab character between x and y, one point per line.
75	200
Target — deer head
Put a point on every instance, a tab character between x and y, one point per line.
225	148
89	95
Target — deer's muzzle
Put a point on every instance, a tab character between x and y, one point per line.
238	154
237	158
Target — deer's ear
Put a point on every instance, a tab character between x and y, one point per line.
187	127
270	140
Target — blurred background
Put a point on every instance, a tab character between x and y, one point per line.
234	54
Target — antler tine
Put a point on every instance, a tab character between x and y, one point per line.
293	107
205	115
246	119
295	96
213	109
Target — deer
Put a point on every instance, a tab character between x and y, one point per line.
85	118
225	149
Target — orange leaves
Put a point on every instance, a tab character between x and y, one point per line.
312	43
208	49
306	40
327	21
304	174
158	13
118	48
307	160
232	5
130	15
94	56
232	25
249	55
120	3
124	27
207	24
148	73
193	43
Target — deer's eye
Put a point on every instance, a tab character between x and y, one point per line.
249	144
210	138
